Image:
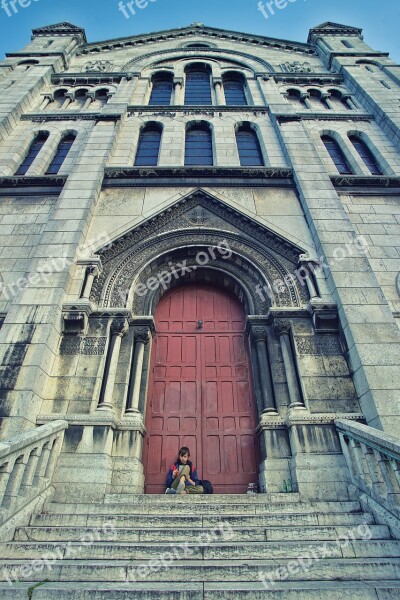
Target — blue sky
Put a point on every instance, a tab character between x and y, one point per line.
102	19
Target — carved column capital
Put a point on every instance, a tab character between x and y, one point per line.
119	327
282	327
141	334
259	333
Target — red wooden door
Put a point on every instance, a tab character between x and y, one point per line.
200	391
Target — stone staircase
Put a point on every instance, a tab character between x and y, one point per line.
264	546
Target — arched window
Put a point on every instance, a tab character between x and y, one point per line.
235	94
315	99
198	86
337	155
337	101
161	91
62	152
197	45
59	98
249	147
101	97
295	97
33	151
149	146
80	98
366	155
198	146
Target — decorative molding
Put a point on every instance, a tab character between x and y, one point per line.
329	115
318	345
102	419
73	116
91	78
308	78
207	111
98	66
173	34
18	181
365	181
198	172
330	28
89	346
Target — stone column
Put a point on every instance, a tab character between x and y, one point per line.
219	92
89	100
92	272
135	379
282	330
326	98
179	98
259	334
46	102
68	99
305	99
308	266
119	327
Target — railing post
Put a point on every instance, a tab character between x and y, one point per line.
14	482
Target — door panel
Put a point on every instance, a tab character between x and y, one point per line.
200	391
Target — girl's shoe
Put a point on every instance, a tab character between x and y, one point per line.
170	491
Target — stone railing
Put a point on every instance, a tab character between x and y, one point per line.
373	459
27	462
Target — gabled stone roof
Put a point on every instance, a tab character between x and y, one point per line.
60	29
330	28
196	29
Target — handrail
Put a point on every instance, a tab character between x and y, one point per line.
27	463
373	459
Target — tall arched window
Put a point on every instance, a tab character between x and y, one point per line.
62	152
198	146
198	86
161	91
337	155
235	94
249	148
149	146
33	151
366	155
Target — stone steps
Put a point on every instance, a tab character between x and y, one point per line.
296	519
217	551
373	590
237	534
119	571
179	506
224	548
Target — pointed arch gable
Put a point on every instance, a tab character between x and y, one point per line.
259	259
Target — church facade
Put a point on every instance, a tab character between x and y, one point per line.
200	247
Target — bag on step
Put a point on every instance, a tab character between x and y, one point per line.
208	488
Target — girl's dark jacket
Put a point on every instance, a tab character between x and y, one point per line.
193	473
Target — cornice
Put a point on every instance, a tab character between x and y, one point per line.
101	419
330	115
348	54
20	181
308	78
86	78
172	34
197	176
355	181
209	111
65	116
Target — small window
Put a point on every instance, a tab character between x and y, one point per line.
62	152
337	155
198	147
235	94
366	155
386	85
249	148
347	44
161	92
197	45
33	151
149	146
198	87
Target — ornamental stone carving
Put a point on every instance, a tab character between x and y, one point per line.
297	67
101	66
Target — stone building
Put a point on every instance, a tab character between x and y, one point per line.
200	246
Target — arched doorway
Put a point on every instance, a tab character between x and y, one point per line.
200	390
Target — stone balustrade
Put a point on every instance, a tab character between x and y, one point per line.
373	459
27	463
